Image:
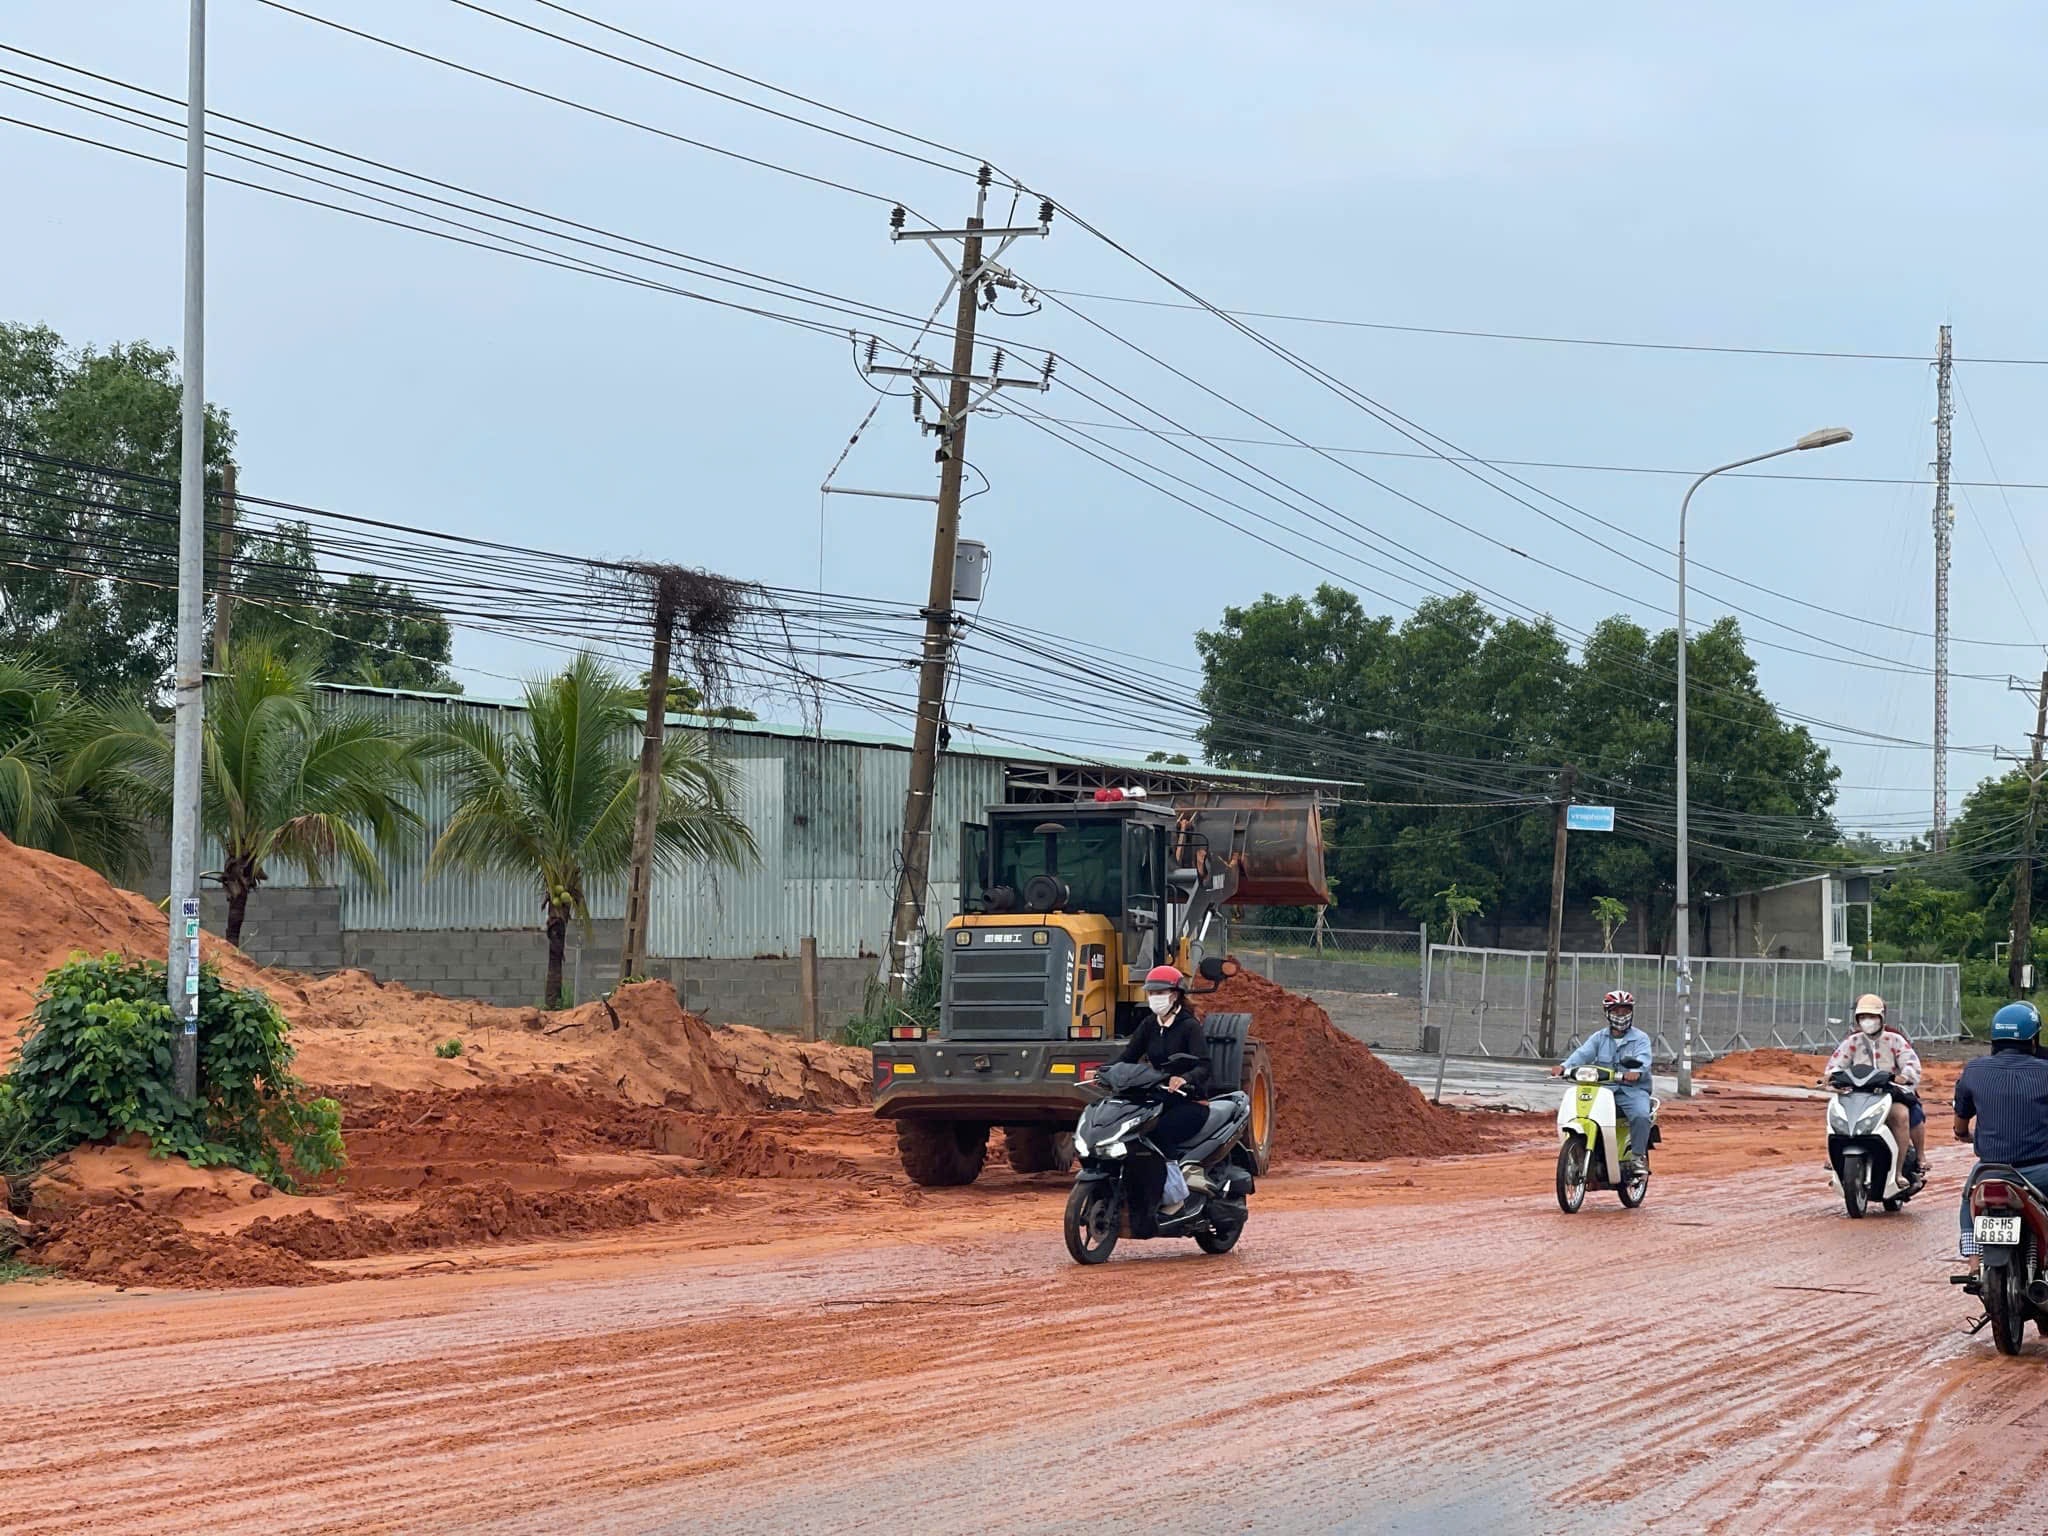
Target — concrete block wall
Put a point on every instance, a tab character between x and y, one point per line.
493	965
768	992
297	929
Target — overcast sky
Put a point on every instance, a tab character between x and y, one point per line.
1835	176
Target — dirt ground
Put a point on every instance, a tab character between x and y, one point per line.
1419	1345
617	1270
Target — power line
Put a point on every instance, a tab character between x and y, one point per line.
1556	341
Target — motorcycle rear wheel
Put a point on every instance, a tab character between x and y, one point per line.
1222	1240
1091	1223
2006	1305
1571	1175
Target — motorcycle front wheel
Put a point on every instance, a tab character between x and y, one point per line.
1855	1184
1571	1175
1634	1190
1091	1223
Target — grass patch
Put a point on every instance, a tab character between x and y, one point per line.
17	1269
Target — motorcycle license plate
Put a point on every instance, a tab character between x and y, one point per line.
2003	1231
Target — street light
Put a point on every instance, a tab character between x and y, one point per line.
1826	437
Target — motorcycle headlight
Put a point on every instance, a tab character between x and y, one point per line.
1872	1117
1080	1145
1114	1149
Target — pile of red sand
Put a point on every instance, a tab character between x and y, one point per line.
125	1245
1335	1100
478	1214
51	909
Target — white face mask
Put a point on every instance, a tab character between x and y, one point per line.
1870	1024
1161	1003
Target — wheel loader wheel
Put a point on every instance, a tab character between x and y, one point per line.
1258	1085
942	1153
1038	1149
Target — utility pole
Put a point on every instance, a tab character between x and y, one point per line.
1547	1042
665	595
182	974
224	582
1944	525
974	277
2018	961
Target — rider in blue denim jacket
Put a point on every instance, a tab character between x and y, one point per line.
1621	1041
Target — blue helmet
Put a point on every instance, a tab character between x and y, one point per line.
2016	1021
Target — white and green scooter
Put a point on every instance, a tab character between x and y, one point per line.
1591	1146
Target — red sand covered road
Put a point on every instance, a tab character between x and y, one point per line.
1428	1339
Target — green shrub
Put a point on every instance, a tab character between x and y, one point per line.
920	1003
24	1146
448	1050
95	1065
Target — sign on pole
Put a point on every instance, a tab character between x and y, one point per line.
1589	818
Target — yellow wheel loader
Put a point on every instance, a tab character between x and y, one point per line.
1064	907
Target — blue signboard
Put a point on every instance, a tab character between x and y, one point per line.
1589	818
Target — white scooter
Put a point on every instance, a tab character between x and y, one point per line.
1591	1148
1864	1161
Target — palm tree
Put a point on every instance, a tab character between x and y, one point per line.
70	779
286	782
554	804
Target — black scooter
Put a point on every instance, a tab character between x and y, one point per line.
1114	1134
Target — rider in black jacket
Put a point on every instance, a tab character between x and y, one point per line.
1172	1030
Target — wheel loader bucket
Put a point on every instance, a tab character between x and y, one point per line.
1273	844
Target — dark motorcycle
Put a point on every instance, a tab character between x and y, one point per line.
1114	1135
2010	1219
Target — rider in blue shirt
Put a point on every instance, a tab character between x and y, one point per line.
1621	1041
2006	1095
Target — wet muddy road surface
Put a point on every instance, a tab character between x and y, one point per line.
1422	1348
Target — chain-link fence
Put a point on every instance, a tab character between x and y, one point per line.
1370	981
1491	1001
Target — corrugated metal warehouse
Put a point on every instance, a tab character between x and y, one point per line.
825	807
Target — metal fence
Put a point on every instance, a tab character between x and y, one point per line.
1371	981
1491	1000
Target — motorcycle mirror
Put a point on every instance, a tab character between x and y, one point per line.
1632	1063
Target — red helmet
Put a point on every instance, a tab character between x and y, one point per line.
1619	1002
1164	978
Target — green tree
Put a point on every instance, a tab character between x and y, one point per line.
1456	703
553	804
90	446
288	779
361	629
1927	921
686	698
1610	915
70	771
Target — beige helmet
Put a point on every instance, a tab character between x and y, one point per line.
1870	1002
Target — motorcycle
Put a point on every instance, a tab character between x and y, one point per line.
1591	1147
2010	1219
1864	1158
1113	1136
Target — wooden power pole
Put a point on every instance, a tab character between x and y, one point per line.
224	588
1547	1042
664	585
2023	874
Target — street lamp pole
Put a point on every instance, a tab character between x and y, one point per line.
1826	437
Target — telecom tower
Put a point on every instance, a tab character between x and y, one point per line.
1944	524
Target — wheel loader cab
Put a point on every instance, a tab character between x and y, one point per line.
1064	909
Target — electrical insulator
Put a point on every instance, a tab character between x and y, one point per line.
982	179
897	216
873	343
1045	211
